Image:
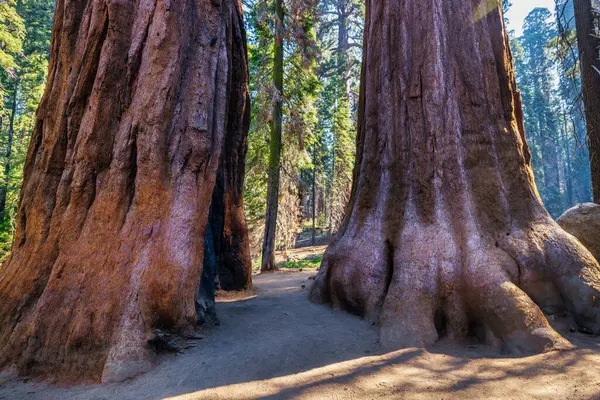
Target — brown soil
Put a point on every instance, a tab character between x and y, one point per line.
275	344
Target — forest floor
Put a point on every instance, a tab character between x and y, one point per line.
274	344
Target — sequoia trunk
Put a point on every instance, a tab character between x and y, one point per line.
588	40
227	219
118	182
445	234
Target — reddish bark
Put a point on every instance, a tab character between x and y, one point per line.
118	183
446	235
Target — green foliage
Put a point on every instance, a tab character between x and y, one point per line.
341	33
12	33
23	81
309	262
564	51
300	89
548	78
320	96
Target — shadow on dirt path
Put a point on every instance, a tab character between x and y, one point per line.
277	345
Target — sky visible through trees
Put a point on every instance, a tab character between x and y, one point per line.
521	8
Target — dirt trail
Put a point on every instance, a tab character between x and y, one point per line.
277	345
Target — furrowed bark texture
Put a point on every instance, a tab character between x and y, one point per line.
227	219
588	26
446	235
118	183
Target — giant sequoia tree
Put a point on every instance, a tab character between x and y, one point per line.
445	234
141	99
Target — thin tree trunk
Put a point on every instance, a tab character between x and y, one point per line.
581	160
588	40
343	48
8	154
550	161
568	163
445	235
314	197
268	250
118	183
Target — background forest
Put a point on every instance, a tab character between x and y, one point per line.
321	55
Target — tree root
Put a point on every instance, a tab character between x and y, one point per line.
430	286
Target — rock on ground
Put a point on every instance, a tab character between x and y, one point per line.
583	222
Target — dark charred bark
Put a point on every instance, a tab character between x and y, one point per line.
230	232
445	233
588	40
118	183
206	311
227	219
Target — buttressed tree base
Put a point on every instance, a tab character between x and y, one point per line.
140	100
445	235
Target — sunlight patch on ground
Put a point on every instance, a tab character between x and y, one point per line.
419	374
231	299
281	386
223	296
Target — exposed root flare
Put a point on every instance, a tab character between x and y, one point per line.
480	294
